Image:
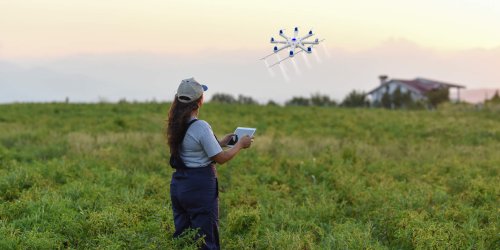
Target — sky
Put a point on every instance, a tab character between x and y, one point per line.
140	50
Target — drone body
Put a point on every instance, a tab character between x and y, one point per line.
293	43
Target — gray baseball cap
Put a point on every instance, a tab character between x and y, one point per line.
190	90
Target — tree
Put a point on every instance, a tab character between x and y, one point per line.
407	101
246	100
223	98
322	100
355	99
397	98
272	103
386	100
437	96
298	101
495	98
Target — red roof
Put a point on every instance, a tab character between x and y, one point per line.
421	85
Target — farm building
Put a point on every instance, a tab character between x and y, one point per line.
417	88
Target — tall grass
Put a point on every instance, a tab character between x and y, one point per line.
96	176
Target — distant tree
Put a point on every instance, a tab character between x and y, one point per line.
495	98
246	100
223	98
298	101
315	100
386	101
355	99
437	96
272	103
322	100
397	98
407	101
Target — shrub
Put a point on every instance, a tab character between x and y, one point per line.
298	101
315	100
223	98
322	101
355	99
246	100
437	96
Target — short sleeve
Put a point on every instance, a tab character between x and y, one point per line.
208	141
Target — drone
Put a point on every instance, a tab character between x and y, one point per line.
293	43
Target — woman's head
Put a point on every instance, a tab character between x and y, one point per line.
187	102
190	90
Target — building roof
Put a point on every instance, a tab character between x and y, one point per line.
420	85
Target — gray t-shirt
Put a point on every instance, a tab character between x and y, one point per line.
199	145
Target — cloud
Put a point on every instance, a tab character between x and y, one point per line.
144	76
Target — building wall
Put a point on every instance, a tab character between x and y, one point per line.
376	96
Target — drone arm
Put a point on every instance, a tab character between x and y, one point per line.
314	42
267	56
275	51
282	48
284	36
279	42
292	50
302	47
306	36
274	64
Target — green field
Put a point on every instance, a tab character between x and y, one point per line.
96	176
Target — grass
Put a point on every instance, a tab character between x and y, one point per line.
96	176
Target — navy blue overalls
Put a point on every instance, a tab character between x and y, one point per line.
195	200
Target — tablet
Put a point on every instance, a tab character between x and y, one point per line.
241	131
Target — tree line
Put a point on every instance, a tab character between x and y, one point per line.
355	99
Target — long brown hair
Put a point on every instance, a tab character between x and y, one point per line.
178	118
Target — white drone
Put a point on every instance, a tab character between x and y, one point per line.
293	43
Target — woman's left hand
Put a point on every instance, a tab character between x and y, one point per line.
226	139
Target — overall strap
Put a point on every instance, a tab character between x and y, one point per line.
191	122
189	125
175	160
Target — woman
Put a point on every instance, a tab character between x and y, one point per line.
194	150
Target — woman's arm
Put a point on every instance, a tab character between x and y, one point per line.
226	139
225	156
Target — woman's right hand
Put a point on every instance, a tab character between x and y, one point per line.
224	156
245	141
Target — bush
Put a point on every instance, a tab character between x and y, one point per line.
223	98
322	101
386	100
355	99
315	100
246	100
227	98
495	99
272	103
298	101
437	96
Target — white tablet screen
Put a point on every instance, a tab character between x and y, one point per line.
240	132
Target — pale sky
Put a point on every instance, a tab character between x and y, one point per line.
48	28
42	33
